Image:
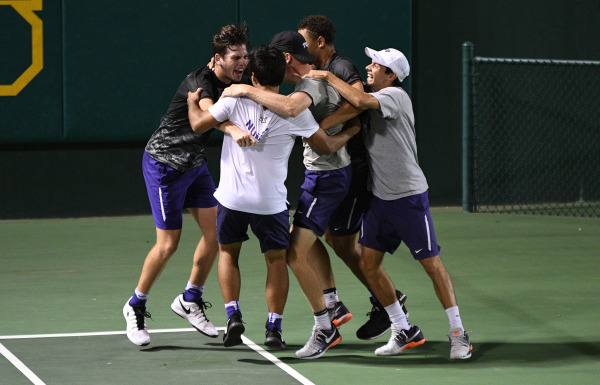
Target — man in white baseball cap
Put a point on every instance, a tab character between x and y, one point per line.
399	209
391	58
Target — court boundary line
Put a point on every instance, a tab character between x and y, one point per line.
37	381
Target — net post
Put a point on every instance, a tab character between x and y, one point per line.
467	78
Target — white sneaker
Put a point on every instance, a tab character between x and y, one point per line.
137	331
194	313
401	340
460	345
320	340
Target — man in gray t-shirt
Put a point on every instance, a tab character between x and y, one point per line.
399	208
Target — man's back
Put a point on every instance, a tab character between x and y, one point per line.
252	178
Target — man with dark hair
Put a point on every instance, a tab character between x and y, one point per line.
327	178
252	190
177	177
341	235
399	209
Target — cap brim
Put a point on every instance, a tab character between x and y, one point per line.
305	58
373	55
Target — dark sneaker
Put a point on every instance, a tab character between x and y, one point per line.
339	314
137	332
401	340
274	340
235	329
379	320
460	345
320	340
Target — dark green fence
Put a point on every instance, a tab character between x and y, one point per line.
531	136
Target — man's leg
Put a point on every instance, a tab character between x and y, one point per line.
231	282
190	305
460	345
301	242
404	336
277	288
442	283
134	310
324	334
207	249
278	283
166	245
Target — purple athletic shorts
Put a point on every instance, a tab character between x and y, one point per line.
322	193
388	223
272	231
170	191
346	219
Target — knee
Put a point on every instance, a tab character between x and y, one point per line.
166	249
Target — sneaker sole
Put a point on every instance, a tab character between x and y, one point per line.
413	344
234	336
468	355
200	330
340	321
275	344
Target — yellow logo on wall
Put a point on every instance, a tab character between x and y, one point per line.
25	8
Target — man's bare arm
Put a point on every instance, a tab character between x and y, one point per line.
290	105
202	121
357	97
328	145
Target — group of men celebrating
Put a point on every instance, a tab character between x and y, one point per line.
359	143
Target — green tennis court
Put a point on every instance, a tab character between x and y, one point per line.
527	287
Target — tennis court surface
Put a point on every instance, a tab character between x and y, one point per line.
527	287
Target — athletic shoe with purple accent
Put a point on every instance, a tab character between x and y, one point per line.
137	332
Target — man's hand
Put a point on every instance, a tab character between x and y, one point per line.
241	137
317	74
194	97
235	90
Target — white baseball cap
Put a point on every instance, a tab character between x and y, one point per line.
391	58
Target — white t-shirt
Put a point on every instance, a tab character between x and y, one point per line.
252	178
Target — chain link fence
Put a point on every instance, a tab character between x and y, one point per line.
532	128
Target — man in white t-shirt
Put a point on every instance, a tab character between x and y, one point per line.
251	191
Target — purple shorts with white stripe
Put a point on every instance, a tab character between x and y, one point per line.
322	194
170	191
388	223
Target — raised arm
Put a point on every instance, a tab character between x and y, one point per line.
357	97
290	105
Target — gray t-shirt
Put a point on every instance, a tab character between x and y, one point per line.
325	101
392	148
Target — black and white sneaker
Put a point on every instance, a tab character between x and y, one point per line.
379	320
135	316
320	340
194	313
235	329
274	340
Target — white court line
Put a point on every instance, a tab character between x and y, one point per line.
35	380
20	366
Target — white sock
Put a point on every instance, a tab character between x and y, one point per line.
397	316
323	320
331	299
192	286
141	296
454	317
